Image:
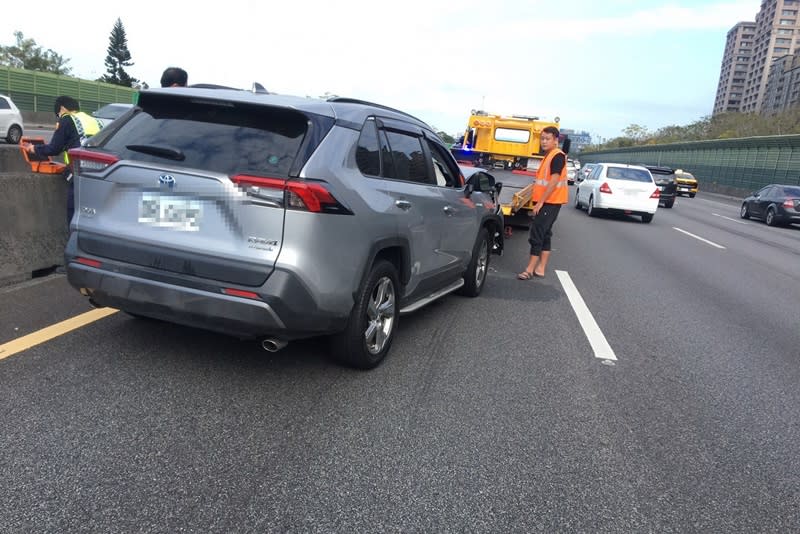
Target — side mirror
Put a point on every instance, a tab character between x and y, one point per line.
469	189
498	186
566	144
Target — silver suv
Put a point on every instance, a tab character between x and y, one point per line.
275	217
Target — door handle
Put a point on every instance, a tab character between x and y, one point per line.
403	204
449	210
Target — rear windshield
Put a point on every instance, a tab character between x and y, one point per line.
633	175
230	138
792	191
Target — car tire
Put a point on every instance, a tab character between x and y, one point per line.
669	203
772	218
591	211
691	195
478	269
370	329
14	135
577	202
647	217
744	213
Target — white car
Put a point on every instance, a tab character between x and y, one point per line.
628	189
11	126
110	112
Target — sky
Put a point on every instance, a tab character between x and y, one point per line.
599	65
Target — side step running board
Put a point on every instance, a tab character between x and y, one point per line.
433	296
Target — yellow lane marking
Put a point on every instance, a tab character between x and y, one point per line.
53	331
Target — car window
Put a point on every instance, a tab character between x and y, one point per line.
791	191
446	175
4	104
626	173
408	157
368	156
595	173
225	138
764	191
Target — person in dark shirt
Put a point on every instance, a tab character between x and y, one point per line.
549	193
72	129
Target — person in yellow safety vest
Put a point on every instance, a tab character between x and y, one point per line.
73	128
549	193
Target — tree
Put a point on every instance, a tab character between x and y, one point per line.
26	54
446	137
636	132
118	58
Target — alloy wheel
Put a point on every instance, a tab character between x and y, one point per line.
380	315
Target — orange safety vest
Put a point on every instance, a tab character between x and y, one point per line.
560	194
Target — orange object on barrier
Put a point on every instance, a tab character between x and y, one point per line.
40	164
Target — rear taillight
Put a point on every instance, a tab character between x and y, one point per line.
291	194
656	194
605	189
241	293
84	160
86	261
789	203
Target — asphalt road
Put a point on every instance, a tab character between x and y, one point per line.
489	415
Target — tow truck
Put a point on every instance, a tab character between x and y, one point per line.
510	145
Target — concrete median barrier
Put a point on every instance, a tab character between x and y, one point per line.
33	226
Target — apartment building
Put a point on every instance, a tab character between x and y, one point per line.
777	34
735	67
783	85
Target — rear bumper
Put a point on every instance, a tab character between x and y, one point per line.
606	202
284	309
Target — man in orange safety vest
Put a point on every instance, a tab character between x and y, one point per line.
549	193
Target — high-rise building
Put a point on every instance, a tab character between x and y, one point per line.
777	34
783	85
735	66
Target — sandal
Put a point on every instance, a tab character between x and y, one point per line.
525	275
537	275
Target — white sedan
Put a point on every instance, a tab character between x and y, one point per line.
628	189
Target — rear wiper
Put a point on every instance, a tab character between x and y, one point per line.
158	150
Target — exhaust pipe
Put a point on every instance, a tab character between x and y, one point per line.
273	344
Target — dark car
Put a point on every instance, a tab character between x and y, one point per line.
776	204
665	180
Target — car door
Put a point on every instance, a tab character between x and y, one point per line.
586	188
460	225
761	201
417	199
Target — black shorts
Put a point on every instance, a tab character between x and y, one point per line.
542	228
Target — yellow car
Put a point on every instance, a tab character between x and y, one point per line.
687	184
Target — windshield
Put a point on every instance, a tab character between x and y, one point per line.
220	137
632	175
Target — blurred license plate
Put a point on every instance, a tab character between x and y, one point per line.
178	213
683	188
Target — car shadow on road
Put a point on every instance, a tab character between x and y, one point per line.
187	345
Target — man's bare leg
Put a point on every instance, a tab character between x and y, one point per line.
542	263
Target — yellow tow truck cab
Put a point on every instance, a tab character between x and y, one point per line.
501	142
686	182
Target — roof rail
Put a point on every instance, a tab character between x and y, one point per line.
345	100
212	86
